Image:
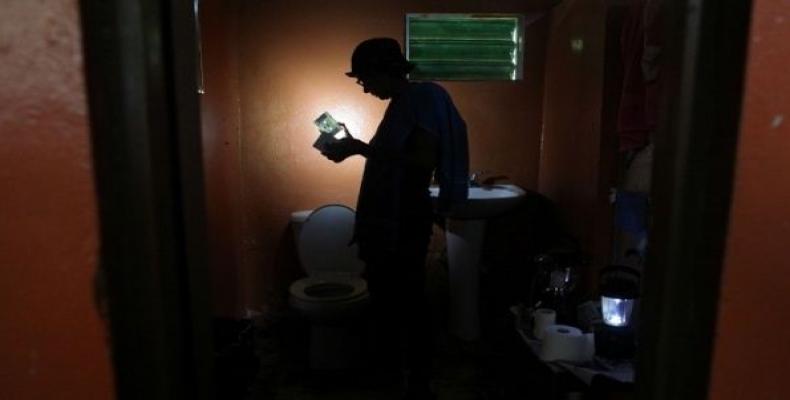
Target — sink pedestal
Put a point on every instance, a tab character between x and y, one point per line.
464	245
465	230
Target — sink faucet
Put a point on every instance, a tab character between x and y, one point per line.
474	178
475	181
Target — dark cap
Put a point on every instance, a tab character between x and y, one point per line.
378	55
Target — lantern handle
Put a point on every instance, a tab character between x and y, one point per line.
620	268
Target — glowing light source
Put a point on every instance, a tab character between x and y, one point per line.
616	312
352	117
615	338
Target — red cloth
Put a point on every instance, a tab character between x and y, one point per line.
640	45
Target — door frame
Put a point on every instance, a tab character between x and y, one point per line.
695	148
144	112
140	65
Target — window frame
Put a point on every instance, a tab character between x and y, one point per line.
520	53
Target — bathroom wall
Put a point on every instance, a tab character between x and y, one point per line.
751	347
577	146
221	121
53	342
291	63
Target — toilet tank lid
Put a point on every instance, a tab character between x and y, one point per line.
300	216
324	242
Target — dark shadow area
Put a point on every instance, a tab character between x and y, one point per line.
275	348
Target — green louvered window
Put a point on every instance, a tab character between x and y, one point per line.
465	46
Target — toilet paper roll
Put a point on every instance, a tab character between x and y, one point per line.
589	347
542	318
565	343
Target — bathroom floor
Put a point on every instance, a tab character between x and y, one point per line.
486	369
456	377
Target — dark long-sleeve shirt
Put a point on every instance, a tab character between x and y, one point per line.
421	133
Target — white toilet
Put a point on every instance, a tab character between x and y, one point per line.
333	296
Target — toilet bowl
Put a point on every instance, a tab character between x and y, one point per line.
329	299
332	297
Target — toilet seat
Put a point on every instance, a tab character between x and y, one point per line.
331	264
333	298
329	289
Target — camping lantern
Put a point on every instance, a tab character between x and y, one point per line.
615	338
617	311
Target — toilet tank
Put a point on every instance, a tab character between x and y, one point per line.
297	219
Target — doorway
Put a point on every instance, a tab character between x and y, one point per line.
140	61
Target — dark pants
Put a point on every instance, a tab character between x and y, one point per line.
401	316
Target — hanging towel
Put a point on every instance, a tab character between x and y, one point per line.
631	210
640	50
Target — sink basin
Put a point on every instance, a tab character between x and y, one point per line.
485	201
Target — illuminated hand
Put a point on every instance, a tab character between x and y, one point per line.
343	148
345	129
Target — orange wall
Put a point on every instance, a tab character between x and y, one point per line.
221	119
53	344
292	60
574	156
751	345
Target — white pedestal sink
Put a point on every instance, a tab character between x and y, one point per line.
465	232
